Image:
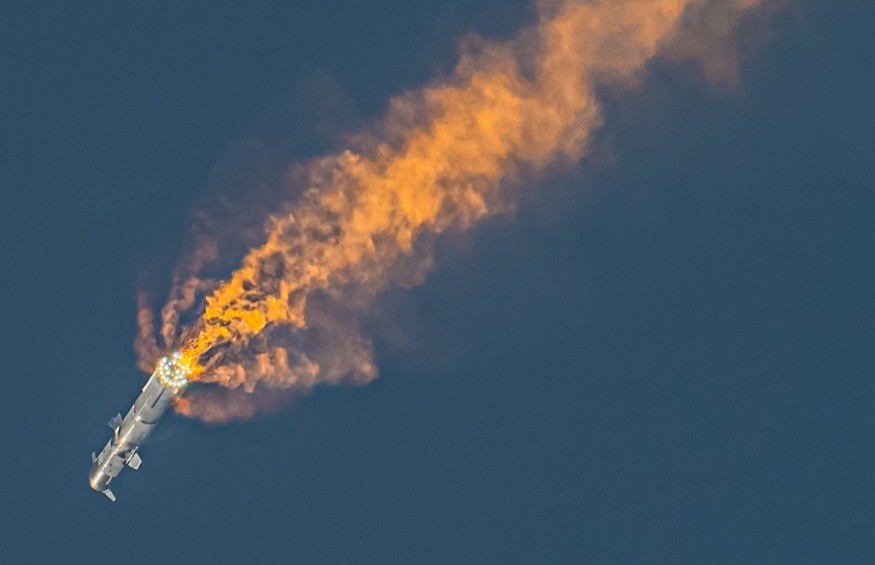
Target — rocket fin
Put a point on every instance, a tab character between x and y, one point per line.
115	422
93	457
109	495
134	462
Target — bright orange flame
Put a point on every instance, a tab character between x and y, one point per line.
442	159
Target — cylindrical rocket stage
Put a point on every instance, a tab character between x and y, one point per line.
165	383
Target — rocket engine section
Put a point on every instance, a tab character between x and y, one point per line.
166	382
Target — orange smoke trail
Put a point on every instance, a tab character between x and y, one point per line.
444	158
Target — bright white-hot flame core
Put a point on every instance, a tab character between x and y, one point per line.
173	371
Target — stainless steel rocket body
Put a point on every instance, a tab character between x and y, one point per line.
130	433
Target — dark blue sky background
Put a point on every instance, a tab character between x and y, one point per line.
664	360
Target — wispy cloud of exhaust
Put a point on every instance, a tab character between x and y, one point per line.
444	157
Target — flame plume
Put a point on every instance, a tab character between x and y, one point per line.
443	158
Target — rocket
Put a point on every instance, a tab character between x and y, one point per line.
167	381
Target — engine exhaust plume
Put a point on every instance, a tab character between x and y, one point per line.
444	158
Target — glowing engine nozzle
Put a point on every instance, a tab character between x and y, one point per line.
174	371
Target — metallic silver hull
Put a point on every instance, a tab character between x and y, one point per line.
130	433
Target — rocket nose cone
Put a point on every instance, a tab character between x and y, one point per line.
95	480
